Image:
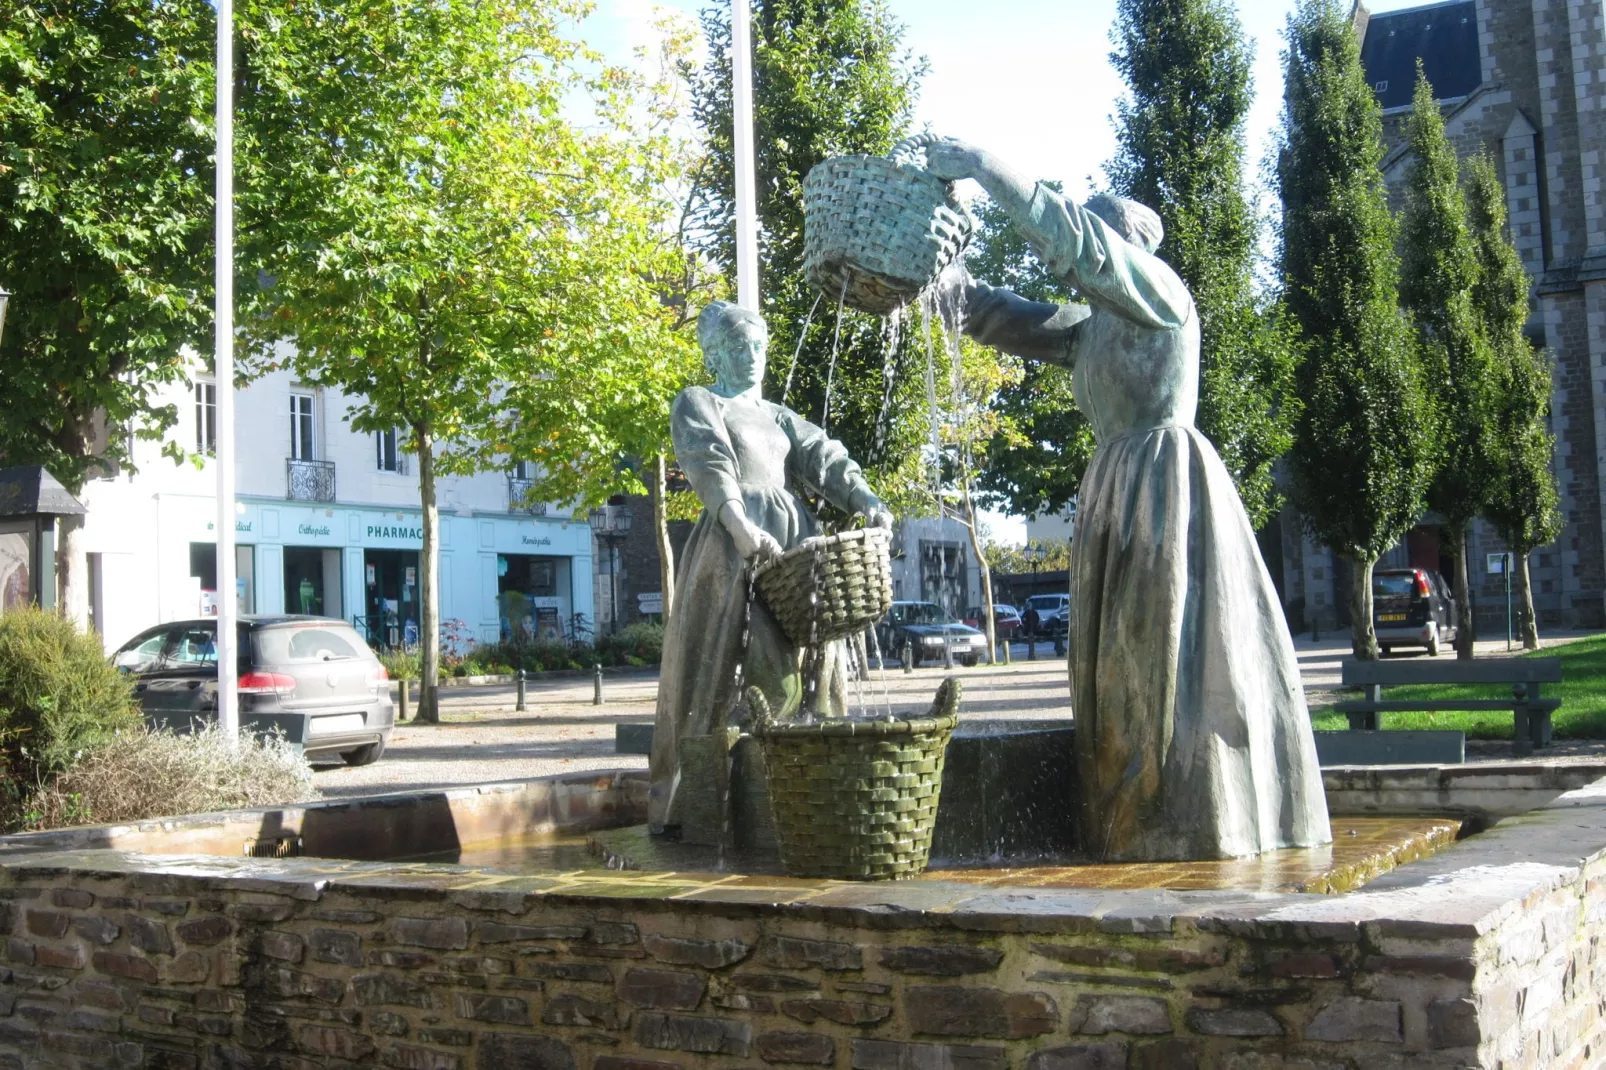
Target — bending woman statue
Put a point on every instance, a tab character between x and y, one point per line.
742	455
1192	736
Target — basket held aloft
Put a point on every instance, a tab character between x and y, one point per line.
831	586
880	226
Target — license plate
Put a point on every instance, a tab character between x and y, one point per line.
1391	616
343	722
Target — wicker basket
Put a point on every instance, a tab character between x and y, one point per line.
829	586
882	225
855	800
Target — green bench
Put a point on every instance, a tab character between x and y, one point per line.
1530	710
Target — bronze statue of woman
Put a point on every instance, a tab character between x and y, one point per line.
1193	740
743	456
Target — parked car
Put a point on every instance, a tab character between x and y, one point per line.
311	678
928	628
1006	620
1047	615
1412	607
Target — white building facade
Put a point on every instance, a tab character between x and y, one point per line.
328	522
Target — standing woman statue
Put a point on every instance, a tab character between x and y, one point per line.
1192	736
742	455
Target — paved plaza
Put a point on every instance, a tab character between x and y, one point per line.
483	739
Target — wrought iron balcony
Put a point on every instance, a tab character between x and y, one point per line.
310	481
518	497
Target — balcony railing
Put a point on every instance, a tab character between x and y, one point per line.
310	481
518	497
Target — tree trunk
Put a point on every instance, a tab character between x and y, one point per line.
1363	636
660	523
72	571
1465	632
1528	622
988	625
429	584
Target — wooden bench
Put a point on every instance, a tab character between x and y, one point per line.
1530	710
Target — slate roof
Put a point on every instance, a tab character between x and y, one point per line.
1444	35
32	491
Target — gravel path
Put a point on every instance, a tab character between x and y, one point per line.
481	739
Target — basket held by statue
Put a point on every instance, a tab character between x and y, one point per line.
829	586
880	226
857	800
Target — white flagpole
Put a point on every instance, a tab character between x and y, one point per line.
228	698
742	113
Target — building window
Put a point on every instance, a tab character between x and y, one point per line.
205	416
301	428
389	456
1382	87
524	470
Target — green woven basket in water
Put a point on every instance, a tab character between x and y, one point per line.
877	230
857	800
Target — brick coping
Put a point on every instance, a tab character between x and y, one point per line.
1462	892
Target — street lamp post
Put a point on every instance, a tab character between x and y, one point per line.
611	524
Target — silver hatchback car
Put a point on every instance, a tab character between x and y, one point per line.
312	679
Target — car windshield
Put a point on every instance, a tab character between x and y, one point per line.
927	613
1393	583
1044	601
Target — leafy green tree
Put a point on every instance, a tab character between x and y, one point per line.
1440	270
830	77
1362	453
1036	458
1181	144
440	240
1523	503
106	181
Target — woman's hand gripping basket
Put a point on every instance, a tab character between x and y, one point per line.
878	230
829	586
856	800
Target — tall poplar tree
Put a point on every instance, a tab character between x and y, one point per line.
1362	453
1441	270
830	78
1523	503
1181	144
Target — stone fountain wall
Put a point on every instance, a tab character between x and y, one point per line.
1486	954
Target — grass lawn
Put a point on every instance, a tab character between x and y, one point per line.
1582	692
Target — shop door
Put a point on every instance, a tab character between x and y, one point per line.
391	593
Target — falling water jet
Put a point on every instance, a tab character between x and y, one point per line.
797	351
830	370
891	335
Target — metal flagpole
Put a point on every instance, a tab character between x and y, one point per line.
742	113
228	698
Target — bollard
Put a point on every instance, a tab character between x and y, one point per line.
1031	647
519	707
1006	651
401	706
908	657
596	685
947	652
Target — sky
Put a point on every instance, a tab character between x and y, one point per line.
1029	80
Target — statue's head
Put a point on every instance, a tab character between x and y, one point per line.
1137	223
734	341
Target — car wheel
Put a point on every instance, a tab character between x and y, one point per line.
1433	644
364	755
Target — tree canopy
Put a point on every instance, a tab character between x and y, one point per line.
1362	452
106	175
438	236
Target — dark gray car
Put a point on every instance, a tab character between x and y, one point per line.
311	678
